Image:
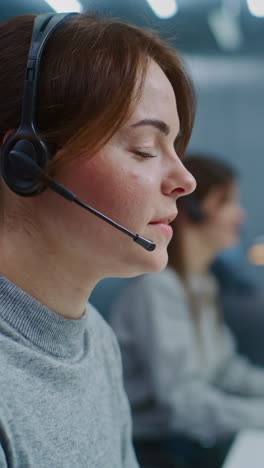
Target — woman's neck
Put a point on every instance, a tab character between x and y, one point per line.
198	251
43	273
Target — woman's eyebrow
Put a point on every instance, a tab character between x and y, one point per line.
159	124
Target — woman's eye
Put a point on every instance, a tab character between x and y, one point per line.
143	154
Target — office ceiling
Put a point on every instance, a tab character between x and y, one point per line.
202	27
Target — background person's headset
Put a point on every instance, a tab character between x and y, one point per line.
193	209
25	154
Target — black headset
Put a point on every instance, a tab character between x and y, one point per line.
26	142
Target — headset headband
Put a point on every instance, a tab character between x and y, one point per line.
44	25
26	140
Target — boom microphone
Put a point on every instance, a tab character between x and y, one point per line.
29	168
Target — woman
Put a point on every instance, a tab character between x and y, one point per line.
186	383
108	104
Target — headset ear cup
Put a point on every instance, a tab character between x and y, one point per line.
193	210
20	181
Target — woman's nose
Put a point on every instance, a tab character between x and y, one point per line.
180	182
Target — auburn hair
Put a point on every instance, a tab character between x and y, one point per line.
91	75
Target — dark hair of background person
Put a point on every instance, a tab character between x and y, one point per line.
90	69
210	172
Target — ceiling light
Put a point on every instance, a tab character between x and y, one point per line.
226	28
256	7
163	8
67	6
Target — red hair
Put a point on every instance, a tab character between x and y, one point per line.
88	77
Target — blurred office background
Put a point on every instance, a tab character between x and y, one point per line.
223	44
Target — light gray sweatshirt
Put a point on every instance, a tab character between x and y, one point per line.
62	403
183	376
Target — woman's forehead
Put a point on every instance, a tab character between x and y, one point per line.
157	98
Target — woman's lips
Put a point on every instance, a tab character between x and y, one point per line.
163	224
163	227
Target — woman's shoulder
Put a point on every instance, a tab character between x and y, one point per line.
105	344
103	336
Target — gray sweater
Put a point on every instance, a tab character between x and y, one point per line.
183	377
62	403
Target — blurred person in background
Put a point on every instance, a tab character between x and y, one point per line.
189	389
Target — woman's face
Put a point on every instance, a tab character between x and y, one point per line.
224	216
135	179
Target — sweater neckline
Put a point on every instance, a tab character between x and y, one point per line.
49	331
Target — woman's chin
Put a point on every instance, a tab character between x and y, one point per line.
153	262
157	262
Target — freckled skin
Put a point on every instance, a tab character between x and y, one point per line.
126	187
